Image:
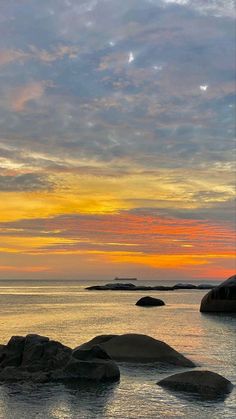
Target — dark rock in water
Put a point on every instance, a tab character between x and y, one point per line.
113	286
93	363
127	287
36	358
131	287
32	357
184	287
88	354
138	348
206	383
205	287
150	302
119	287
221	299
162	288
96	370
11	354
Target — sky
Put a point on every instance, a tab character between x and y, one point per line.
117	126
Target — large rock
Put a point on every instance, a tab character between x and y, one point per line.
138	348
149	302
206	383
37	358
94	363
221	299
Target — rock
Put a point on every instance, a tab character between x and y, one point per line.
2	352
32	356
118	287
149	302
138	348
221	299
93	364
131	287
11	354
205	287
88	354
163	288
96	370
39	359
128	287
206	383
184	287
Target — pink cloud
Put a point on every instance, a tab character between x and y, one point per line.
22	95
8	56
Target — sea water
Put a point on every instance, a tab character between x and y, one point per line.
65	311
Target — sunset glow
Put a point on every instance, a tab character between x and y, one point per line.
116	143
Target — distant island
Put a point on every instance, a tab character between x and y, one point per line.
131	287
124	279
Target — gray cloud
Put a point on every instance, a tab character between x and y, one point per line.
25	182
94	104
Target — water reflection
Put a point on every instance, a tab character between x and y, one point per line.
205	399
59	401
227	318
73	316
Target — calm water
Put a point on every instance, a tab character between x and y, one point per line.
68	313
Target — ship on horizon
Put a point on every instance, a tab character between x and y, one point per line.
124	279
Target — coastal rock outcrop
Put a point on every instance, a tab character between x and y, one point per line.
37	358
206	383
149	302
118	287
131	287
138	348
221	299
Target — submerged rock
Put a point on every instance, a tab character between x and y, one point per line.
37	358
206	383
221	299
150	302
138	348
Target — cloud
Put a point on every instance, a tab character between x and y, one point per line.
11	55
216	8
58	53
29	269
32	53
24	183
23	94
103	135
144	231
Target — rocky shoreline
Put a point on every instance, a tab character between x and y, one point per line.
37	359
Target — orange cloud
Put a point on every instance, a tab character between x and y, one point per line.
8	268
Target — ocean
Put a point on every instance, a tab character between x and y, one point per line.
65	311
